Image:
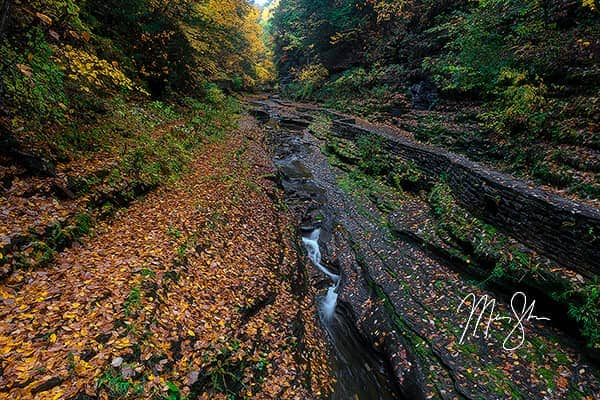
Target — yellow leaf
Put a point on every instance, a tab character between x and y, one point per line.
53	338
191	333
69	315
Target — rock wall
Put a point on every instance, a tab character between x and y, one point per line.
561	229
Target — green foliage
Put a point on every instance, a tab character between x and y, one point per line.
494	36
358	183
307	83
407	175
173	392
32	80
308	32
520	107
64	13
374	160
350	82
584	307
515	55
321	126
164	111
214	95
133	301
118	387
83	225
59	59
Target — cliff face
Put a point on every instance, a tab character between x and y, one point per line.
558	228
409	246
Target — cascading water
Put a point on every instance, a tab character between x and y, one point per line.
360	374
359	371
311	243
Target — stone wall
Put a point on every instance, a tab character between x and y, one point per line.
563	230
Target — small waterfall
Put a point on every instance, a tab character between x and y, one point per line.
311	243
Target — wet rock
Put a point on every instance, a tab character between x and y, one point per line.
294	169
260	114
556	227
401	296
127	372
192	377
293	122
423	95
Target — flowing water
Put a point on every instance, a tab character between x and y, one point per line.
327	307
361	374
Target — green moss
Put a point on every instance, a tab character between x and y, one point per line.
483	246
407	175
37	91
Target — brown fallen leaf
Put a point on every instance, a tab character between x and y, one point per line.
44	18
55	35
25	70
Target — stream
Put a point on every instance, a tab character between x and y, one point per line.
386	301
360	372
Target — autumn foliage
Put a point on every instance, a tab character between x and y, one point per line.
52	50
193	291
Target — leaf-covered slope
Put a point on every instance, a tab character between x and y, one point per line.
190	291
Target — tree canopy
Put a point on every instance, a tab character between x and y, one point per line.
53	49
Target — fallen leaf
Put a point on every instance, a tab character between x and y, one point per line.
44	18
25	70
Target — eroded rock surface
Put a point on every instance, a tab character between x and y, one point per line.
404	296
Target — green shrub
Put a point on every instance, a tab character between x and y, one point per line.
521	105
64	13
308	82
350	83
118	387
374	160
316	74
238	83
299	90
585	309
213	94
407	175
482	43
33	82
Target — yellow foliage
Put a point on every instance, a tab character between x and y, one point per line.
229	23
89	70
388	10
591	4
315	73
